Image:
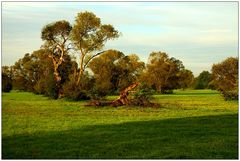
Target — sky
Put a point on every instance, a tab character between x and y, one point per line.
197	33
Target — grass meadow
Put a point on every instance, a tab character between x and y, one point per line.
191	124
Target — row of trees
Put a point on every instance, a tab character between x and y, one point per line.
108	73
53	71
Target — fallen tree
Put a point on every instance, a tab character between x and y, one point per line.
124	100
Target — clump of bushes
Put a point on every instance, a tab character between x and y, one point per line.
230	95
76	92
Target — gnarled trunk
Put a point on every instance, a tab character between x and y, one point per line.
57	76
123	100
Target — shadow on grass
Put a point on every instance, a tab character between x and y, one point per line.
197	137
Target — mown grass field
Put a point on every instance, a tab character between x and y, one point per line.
196	124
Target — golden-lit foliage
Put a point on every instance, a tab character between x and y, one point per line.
225	74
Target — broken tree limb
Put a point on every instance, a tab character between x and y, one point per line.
122	99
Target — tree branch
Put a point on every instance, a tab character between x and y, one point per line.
85	65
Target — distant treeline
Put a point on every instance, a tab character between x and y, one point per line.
53	70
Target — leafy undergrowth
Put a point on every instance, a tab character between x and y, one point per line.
195	124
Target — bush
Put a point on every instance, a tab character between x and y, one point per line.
7	87
167	92
230	95
6	83
141	97
75	92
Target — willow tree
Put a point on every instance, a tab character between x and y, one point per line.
56	38
89	36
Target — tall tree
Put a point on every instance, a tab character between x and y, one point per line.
56	36
89	37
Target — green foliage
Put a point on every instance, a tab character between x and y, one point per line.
105	71
130	68
56	32
167	92
142	97
192	124
117	71
203	80
34	73
186	78
76	92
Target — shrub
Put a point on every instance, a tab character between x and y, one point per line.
6	83
167	92
141	97
75	92
230	95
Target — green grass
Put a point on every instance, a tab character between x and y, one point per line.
195	124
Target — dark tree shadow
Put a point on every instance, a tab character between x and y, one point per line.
208	137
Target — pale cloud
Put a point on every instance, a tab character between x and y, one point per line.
24	5
216	31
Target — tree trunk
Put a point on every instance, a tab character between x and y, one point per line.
81	67
123	100
159	88
58	79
